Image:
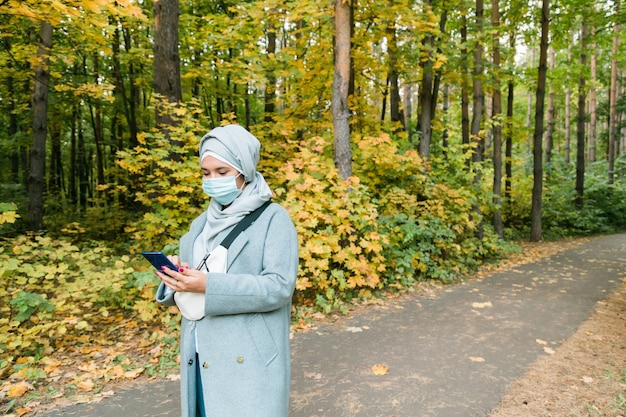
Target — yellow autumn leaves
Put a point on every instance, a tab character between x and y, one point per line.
73	315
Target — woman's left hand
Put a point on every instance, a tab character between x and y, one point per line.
184	280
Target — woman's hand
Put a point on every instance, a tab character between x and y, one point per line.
186	279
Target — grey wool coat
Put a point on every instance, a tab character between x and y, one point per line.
243	340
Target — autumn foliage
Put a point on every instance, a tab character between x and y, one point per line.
386	227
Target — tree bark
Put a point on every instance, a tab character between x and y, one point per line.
167	82
613	130
551	111
40	124
568	110
95	113
508	160
593	104
477	114
477	89
580	122
270	86
465	120
341	83
497	122
127	99
395	108
426	92
535	229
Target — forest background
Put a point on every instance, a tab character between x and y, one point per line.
385	133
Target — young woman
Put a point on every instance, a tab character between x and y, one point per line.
236	302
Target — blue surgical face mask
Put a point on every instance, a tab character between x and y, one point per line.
224	189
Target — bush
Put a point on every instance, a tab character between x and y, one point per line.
59	291
386	227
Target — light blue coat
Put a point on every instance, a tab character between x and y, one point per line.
243	340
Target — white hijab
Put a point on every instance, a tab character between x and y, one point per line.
239	148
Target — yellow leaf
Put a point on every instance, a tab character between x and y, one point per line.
133	374
482	305
8	217
86	385
17	390
476	359
380	369
23	410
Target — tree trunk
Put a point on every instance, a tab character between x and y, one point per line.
551	110
425	105
40	123
445	109
580	122
568	109
128	101
437	80
529	106
270	86
73	174
83	169
55	177
95	114
477	90
535	217
383	110
508	164
591	146
13	123
341	83
613	102
395	100
497	122
465	120
407	104
167	82
477	115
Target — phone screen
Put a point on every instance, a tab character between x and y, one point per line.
158	260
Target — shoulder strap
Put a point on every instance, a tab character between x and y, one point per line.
243	225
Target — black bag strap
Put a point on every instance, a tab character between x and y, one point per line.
243	225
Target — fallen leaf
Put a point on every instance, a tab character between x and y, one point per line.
86	385
476	359
354	329
107	394
133	373
587	379
23	410
482	305
541	342
313	375
548	350
17	390
380	369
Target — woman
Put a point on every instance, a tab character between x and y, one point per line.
234	356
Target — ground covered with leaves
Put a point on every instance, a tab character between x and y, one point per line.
585	376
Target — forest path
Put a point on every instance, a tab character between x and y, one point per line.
447	352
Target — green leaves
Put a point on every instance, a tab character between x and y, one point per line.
28	304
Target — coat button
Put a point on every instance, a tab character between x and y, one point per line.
240	359
205	365
190	362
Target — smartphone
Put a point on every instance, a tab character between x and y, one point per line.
158	260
